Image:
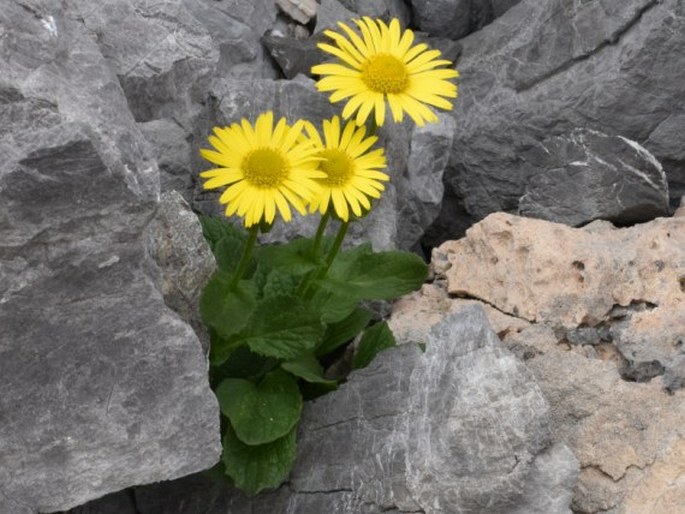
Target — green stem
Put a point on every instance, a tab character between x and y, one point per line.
342	231
305	287
245	258
319	236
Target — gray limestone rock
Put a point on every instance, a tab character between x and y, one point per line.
294	55
169	142
445	18
545	68
385	9
162	55
586	175
460	428
330	13
174	240
103	385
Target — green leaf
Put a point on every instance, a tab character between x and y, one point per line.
263	412
334	305
343	331
214	229
295	255
282	327
224	309
375	339
308	368
254	468
375	276
227	253
281	282
242	363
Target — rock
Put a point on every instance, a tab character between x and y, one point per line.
544	68
455	19
301	11
330	13
459	428
162	55
169	142
175	242
294	55
385	9
103	385
629	457
627	281
586	175
444	18
589	311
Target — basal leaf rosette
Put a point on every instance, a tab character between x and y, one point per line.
351	168
264	168
380	64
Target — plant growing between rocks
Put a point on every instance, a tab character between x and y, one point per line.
276	313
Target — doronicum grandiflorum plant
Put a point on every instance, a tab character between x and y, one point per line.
278	314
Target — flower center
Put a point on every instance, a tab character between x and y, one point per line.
385	74
265	167
337	165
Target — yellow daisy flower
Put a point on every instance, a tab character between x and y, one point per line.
264	167
352	175
383	65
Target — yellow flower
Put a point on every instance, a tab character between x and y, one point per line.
264	167
352	175
383	65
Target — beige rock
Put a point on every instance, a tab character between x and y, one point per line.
299	10
538	270
541	282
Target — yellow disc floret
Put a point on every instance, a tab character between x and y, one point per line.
265	168
385	74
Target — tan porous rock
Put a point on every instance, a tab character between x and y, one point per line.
538	270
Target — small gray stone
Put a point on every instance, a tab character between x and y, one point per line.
586	175
445	18
301	11
385	9
330	13
294	55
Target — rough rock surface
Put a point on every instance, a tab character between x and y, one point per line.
461	428
586	175
597	314
547	67
175	242
455	19
103	385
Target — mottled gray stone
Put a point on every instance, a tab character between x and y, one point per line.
461	428
446	18
384	9
162	55
545	68
330	13
586	175
455	19
103	385
294	55
175	242
169	143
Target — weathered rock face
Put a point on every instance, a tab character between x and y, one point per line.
461	428
103	385
597	315
587	175
545	68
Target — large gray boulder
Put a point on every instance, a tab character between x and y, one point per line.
462	427
586	175
103	386
546	67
